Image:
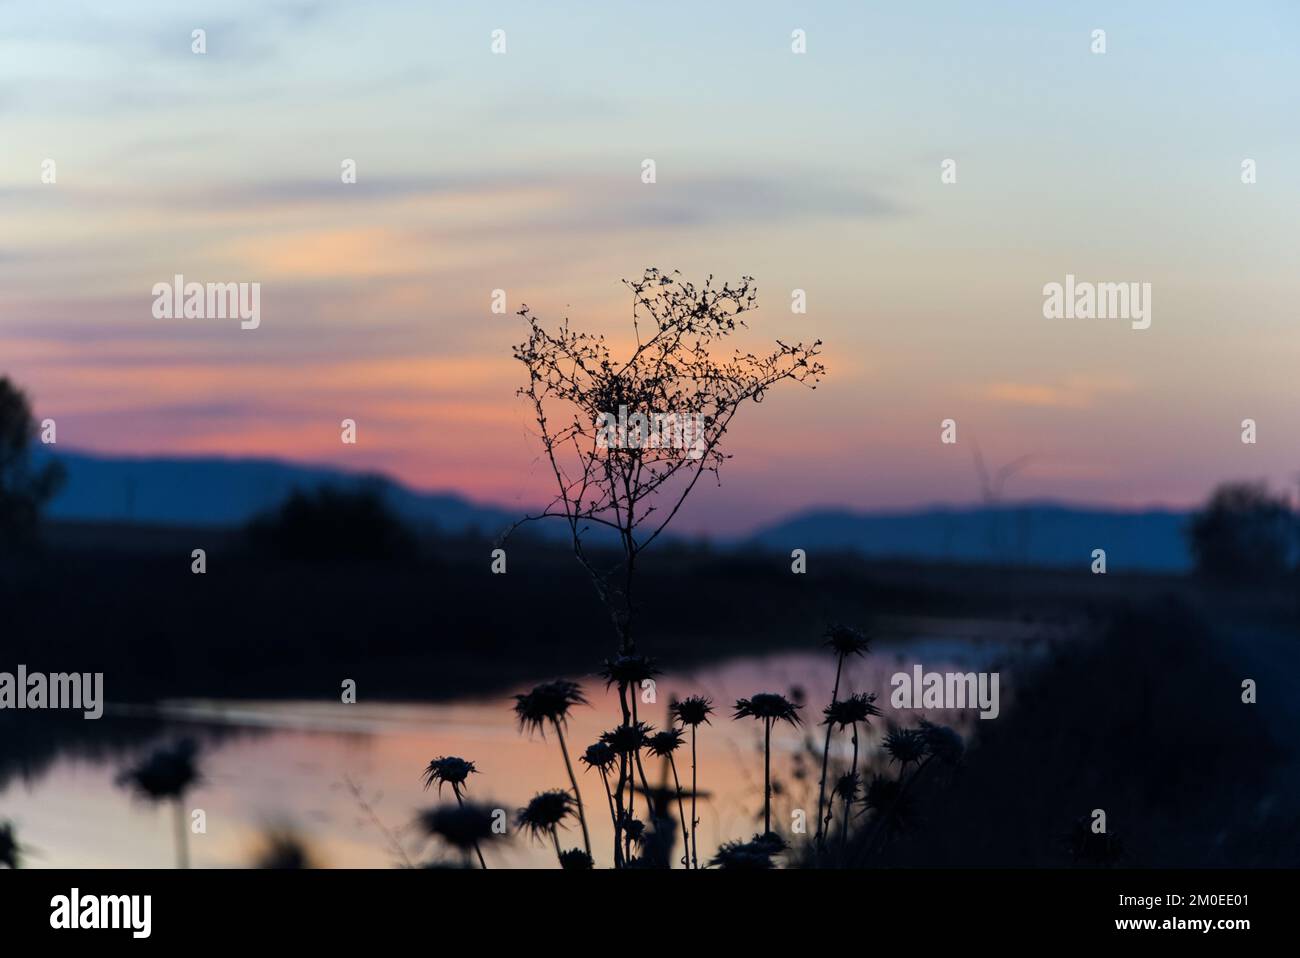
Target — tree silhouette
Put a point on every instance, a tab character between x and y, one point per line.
24	489
633	487
1243	533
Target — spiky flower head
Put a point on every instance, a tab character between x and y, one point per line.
693	710
664	743
942	742
846	788
166	773
460	826
599	756
769	706
548	702
847	641
634	828
448	770
905	745
850	711
628	670
627	739
755	854
545	811
575	860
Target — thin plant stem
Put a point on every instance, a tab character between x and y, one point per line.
681	811
826	754
455	790
555	837
182	835
582	817
695	842
618	851
767	776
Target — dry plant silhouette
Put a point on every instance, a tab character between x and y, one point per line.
634	491
632	488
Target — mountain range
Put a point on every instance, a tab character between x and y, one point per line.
226	491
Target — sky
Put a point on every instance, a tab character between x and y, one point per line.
521	171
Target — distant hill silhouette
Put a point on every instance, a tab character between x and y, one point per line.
1036	533
227	492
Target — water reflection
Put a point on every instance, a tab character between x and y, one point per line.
346	778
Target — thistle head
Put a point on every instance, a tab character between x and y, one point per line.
663	744
693	711
548	702
460	826
942	742
575	860
850	711
599	756
846	641
634	828
755	854
545	811
628	670
166	773
627	739
905	745
448	770
768	706
846	787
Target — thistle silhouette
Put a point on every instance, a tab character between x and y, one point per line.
464	826
693	712
663	745
166	775
844	642
550	702
755	854
627	740
848	713
453	771
543	815
769	708
602	758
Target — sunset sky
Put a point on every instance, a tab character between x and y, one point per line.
522	172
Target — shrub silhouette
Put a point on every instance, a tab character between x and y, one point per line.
24	490
1243	533
333	523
